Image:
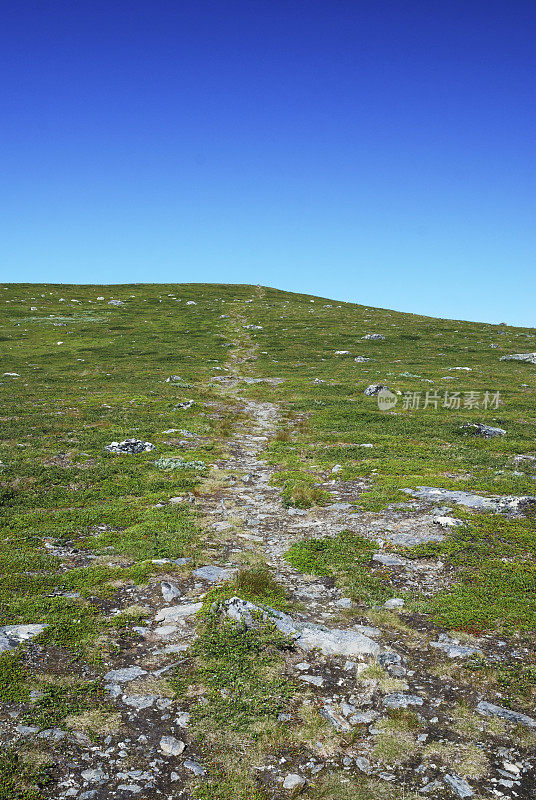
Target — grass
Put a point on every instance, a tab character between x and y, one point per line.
347	557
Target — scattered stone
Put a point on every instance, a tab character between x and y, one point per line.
213	574
179	463
139	701
184	406
94	775
529	358
11	375
124	674
12	635
491	710
193	766
389	560
332	641
394	602
342	352
376	388
177	613
174	379
479	429
448	522
452	647
401	700
130	447
169	591
497	504
458	785
316	680
292	781
362	359
115	303
374	336
171	746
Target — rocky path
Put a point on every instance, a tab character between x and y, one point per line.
356	667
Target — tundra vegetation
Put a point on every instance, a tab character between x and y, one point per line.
385	643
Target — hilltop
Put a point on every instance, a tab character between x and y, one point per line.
259	544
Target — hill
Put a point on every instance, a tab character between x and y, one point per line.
259	544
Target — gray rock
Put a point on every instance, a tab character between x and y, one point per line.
171	746
448	522
316	680
452	647
363	764
458	785
177	613
213	574
479	429
389	560
124	674
394	602
374	336
496	504
130	447
491	710
335	718
529	358
332	641
193	766
94	775
169	591
362	359
375	388
292	781
139	701
12	635
401	700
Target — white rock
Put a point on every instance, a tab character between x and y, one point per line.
292	781
169	591
171	746
177	613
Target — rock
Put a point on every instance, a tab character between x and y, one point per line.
336	468
184	406
316	680
130	447
183	718
124	674
389	560
452	647
179	463
374	336
334	718
400	700
490	710
497	504
12	635
479	429
458	785
394	602
139	701
529	358
169	591
177	613
293	781
213	574
447	522
94	775
344	602
171	746
174	379
375	388
363	764
115	303
342	352
362	359
193	766
11	375
332	641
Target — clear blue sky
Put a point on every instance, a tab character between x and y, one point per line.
379	151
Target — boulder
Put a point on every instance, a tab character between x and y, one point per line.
130	447
529	358
479	429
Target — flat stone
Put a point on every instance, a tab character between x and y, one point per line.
332	641
389	560
130	447
452	647
94	775
124	674
292	781
177	613
139	701
394	602
193	766
491	710
316	680
213	574
459	785
479	429
171	746
400	700
335	718
13	635
529	358
495	504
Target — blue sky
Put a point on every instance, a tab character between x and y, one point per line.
380	151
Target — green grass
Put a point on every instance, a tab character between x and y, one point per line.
347	558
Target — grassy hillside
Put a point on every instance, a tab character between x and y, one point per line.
87	535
